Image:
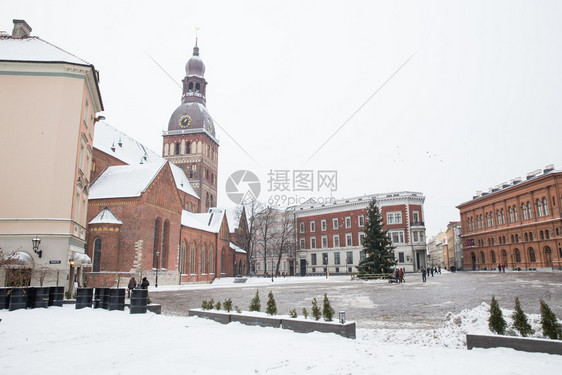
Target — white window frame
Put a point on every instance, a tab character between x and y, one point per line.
348	221
361	220
348	240
313	242
323	225
399	233
324	241
335	224
302	243
313	226
336	240
301	227
360	235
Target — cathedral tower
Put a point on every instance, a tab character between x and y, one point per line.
190	141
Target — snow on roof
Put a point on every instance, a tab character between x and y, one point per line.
123	181
182	182
232	216
121	146
208	222
35	49
105	217
237	249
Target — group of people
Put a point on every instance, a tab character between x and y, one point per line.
399	275
501	268
429	270
133	285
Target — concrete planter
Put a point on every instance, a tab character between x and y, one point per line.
297	325
524	344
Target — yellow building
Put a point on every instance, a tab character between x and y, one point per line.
49	103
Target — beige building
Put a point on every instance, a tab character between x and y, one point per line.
49	103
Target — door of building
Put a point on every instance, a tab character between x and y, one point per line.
303	267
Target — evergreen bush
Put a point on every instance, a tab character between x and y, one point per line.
293	313
316	311
210	304
237	309
218	305
305	313
204	304
227	305
520	321
271	305
496	322
550	326
255	305
327	310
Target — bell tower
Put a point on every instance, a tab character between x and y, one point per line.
190	141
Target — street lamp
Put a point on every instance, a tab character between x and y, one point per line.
157	266
36	241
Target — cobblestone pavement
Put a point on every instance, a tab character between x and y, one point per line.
413	304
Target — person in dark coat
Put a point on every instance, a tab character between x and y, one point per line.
144	283
423	274
132	285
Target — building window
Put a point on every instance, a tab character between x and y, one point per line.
335	224
499	217
530	236
211	263
202	259
510	211
183	258
313	242
483	257
416	239
165	242
348	222
323	225
526	237
529	209
532	256
324	241
312	226
349	257
524	211
325	259
302	243
361	256
337	258
545	206
348	240
539	208
361	239
400	257
313	259
515	213
157	230
516	237
547	234
517	256
396	236
97	255
394	218
301	227
192	258
416	216
336	240
361	219
503	216
493	257
86	112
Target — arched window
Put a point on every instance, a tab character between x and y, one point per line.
203	259
222	261
547	234
524	210
177	148
539	208
189	147
183	258
492	218
212	201
482	257
157	241
165	243
516	237
512	239
545	206
530	236
197	87
211	264
493	257
530	210
526	237
503	216
190	86
166	149
207	200
487	220
515	213
532	256
192	258
541	234
517	256
499	217
510	214
97	255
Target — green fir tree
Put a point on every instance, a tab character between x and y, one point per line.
520	321
218	305
550	326
293	313
305	312
255	305
316	311
227	305
327	310
271	305
378	249
496	322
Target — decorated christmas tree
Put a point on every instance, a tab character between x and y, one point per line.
379	252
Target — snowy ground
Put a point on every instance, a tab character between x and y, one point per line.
61	339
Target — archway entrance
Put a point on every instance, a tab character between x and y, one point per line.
548	256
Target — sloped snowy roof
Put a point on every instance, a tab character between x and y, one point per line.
232	216
121	146
124	181
35	49
208	222
182	182
237	249
105	217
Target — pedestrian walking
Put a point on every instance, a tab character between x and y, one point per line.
423	274
401	275
132	285
431	271
144	283
500	268
503	268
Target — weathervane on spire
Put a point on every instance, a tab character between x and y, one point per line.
196	34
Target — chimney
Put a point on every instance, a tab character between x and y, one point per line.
548	168
21	29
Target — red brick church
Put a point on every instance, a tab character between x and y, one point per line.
154	216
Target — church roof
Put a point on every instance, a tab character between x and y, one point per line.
232	216
105	217
199	119
35	49
237	249
182	182
124	181
208	222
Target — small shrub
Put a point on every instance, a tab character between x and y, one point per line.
210	304
218	305
304	313
520	320
550	326
496	322
67	294
237	309
204	304
271	305
255	305
227	305
293	313
327	310
316	312
148	301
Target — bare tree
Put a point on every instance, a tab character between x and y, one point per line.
265	234
246	235
284	236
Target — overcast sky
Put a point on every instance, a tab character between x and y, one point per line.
477	103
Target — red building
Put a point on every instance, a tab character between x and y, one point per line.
330	235
515	224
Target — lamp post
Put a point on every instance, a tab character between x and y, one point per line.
157	266
35	242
